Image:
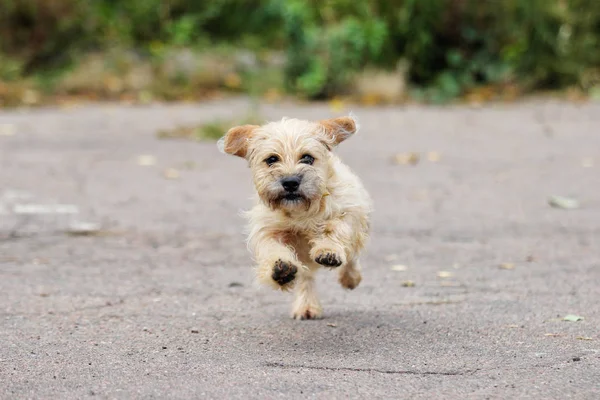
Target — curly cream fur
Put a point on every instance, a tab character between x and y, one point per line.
330	219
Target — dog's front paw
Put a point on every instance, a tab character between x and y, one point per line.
329	258
284	273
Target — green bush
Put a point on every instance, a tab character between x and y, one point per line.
450	46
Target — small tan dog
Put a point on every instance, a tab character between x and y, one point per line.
311	210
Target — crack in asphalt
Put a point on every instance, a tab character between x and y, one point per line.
381	371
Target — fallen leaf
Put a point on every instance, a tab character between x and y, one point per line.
584	338
444	274
336	105
407	284
552	334
399	268
433	156
407	158
573	318
7	130
45	209
83	229
172	173
332	325
566	203
587	162
146	160
507	266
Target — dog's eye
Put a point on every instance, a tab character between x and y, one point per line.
271	160
307	159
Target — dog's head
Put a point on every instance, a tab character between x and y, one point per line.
290	159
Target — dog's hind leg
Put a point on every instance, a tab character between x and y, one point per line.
306	303
349	275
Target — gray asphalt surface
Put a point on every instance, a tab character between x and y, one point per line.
161	304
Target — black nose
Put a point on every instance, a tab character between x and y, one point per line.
291	183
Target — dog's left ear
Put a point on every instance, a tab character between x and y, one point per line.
336	130
235	141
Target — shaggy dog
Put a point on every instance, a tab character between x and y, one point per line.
311	210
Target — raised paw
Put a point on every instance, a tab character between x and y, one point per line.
329	258
283	272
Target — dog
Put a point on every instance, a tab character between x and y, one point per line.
311	211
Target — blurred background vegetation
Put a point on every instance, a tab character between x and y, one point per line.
375	51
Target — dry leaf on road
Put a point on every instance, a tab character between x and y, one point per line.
146	160
7	130
566	203
172	173
433	156
573	318
411	158
507	266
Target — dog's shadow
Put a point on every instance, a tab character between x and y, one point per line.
379	340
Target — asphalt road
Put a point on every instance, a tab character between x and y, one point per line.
160	303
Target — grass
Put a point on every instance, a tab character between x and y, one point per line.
209	131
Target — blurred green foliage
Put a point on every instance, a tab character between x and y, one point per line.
450	46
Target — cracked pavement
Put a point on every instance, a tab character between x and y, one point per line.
161	302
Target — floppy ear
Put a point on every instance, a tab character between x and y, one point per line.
235	141
336	130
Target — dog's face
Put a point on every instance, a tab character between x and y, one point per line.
289	159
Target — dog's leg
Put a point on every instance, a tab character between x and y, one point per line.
278	264
306	303
341	240
328	247
349	275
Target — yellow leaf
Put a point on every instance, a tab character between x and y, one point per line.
146	160
407	158
336	105
433	156
171	173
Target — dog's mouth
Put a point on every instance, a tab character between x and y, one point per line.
292	197
289	200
